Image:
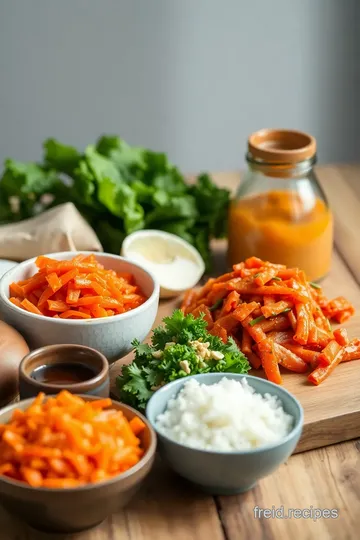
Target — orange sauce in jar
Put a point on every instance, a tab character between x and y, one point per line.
284	228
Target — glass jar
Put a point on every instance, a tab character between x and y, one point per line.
280	212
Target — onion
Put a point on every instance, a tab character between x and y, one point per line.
13	348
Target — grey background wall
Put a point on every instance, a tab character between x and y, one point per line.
190	77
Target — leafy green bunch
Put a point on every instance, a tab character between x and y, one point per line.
119	189
150	370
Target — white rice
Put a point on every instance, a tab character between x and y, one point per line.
226	416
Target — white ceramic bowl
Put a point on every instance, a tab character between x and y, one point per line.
171	246
5	265
111	336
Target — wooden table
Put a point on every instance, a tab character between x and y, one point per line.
328	478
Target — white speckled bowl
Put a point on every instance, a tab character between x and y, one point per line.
111	336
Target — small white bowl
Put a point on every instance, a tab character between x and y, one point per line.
156	243
111	336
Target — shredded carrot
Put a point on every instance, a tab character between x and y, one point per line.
277	318
323	370
74	314
270	361
16	301
254	360
341	336
54	281
57	305
205	312
328	354
65	442
246	342
29	306
67	286
352	350
290	360
16	290
137	425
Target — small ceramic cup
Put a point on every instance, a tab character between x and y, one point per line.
96	385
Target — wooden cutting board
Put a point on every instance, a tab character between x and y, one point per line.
332	410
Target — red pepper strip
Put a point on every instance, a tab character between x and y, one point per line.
352	350
289	360
302	326
255	331
322	371
253	359
341	336
329	353
244	310
269	361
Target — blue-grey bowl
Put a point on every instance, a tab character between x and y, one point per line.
226	473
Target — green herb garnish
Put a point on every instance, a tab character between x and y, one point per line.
217	304
315	285
276	278
118	189
281	312
262	317
257	320
151	369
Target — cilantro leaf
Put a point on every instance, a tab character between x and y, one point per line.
22	179
60	156
134	388
212	203
121	154
119	188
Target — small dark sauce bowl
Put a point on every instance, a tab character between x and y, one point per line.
51	355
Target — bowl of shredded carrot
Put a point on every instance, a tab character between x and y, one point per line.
278	319
103	301
68	461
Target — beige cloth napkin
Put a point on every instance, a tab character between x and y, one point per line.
60	229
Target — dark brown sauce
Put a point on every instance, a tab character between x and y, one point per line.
63	373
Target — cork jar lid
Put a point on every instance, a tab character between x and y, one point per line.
281	146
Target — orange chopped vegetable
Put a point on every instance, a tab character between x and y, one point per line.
65	442
57	305
73	314
277	318
54	281
323	370
16	301
16	290
328	354
205	312
341	336
246	342
62	289
137	425
290	360
254	359
29	306
339	309
352	350
269	360
219	331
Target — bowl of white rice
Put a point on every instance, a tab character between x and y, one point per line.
225	432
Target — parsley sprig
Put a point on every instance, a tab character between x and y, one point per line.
140	379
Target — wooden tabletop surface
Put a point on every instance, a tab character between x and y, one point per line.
328	478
